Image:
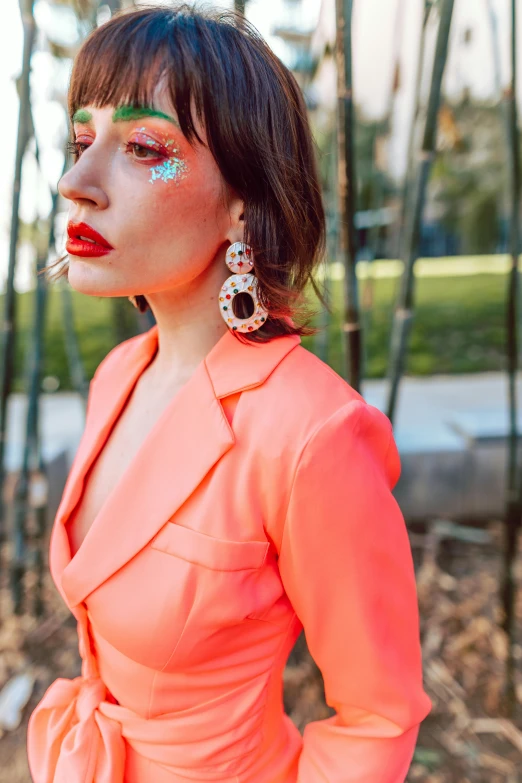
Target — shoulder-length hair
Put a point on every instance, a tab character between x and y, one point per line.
256	124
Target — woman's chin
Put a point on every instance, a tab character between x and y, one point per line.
85	280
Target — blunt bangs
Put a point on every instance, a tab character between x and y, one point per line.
122	64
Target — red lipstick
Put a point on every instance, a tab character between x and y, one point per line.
85	241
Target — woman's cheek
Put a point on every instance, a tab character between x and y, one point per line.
186	197
184	188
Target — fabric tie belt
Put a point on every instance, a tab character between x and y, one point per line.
79	734
73	740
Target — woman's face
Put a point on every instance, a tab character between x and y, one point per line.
161	203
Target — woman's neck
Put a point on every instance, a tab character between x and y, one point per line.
189	325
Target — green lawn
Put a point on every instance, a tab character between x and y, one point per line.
458	327
93	325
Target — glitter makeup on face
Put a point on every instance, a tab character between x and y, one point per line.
168	170
171	169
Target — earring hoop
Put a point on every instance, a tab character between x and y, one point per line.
240	260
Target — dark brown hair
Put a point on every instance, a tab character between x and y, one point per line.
256	124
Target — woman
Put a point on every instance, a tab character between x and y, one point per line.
230	489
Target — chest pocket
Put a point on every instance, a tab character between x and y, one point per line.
184	598
215	554
219	587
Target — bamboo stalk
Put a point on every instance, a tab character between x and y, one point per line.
329	169
347	191
8	327
428	5
32	457
514	481
404	309
368	293
321	338
33	471
72	347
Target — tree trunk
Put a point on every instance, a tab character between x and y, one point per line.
32	471
408	176
514	482
404	308
347	191
9	320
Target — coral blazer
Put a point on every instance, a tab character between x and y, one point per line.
259	503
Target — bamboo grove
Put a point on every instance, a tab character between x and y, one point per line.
24	501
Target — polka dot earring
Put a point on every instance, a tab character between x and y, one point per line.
240	260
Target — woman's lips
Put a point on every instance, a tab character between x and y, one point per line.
85	241
82	247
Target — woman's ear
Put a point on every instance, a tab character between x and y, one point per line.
236	230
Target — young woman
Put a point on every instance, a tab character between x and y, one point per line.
230	489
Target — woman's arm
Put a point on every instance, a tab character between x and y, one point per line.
345	562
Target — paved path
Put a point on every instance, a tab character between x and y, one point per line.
62	422
449	431
446	412
437	413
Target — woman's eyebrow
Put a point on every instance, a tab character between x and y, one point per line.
126	113
82	116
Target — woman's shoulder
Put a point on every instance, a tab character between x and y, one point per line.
302	364
306	421
304	396
304	384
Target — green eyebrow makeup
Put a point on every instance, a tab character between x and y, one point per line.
82	116
126	114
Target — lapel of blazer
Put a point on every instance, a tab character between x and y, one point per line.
190	436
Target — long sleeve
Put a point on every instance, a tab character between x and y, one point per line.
346	565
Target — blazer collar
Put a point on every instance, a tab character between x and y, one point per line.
191	435
233	365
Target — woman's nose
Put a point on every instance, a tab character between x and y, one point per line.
79	184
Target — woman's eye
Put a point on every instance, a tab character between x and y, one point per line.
138	149
132	147
74	147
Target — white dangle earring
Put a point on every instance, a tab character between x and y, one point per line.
240	260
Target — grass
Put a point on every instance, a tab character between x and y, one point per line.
93	325
458	328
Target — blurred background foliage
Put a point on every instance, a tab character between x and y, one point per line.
464	298
459	327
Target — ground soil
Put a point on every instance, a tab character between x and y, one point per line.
469	737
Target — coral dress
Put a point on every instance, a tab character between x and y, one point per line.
259	503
